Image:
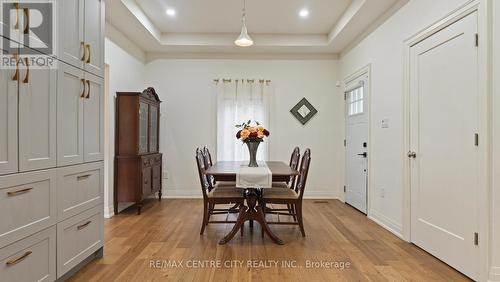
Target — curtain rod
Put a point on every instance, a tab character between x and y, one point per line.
229	80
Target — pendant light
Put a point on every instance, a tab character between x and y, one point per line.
244	40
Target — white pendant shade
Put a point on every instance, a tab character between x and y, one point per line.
244	40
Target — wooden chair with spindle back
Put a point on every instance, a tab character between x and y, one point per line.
291	197
214	195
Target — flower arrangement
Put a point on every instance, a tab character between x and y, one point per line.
251	133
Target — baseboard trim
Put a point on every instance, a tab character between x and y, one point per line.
386	223
494	274
109	211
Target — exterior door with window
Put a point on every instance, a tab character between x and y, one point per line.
356	97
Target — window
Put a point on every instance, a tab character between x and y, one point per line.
355	101
239	101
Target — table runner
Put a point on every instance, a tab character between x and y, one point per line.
254	177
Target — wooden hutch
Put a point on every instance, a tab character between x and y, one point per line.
138	163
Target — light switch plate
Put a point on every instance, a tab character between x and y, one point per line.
385	123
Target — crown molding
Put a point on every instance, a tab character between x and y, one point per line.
153	56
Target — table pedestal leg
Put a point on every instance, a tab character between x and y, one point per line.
252	212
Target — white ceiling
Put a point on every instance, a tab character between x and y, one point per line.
210	26
263	16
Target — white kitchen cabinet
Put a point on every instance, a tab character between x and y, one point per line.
8	122
30	259
93	114
80	127
94	35
81	31
71	94
37	119
71	28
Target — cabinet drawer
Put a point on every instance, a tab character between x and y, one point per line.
31	259
79	188
77	238
27	204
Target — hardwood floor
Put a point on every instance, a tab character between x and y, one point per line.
167	234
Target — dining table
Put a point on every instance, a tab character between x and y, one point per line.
253	210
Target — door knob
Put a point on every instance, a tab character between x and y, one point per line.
412	155
364	155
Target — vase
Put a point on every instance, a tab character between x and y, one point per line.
252	149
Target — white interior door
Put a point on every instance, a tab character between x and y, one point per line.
444	154
356	192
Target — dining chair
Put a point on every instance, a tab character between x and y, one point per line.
292	197
214	195
207	158
294	163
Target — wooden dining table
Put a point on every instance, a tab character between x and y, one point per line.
227	170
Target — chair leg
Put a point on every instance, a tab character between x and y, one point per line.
210	211
205	217
294	211
298	208
264	212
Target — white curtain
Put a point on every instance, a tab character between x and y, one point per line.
239	101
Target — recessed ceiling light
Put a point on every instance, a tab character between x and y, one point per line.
304	13
171	12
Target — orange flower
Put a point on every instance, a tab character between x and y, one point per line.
245	133
260	134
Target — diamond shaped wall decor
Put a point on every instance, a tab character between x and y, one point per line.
303	111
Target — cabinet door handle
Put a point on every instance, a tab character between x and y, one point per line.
16	25
88	48
83	88
27	77
19	259
26	20
80	227
18	192
16	74
82	177
88	89
82	48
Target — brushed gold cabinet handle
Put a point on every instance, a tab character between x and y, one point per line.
18	192
82	48
82	177
80	227
16	25
88	48
88	89
27	20
16	74
83	90
19	259
27	77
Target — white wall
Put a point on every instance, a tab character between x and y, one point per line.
383	49
125	74
189	116
495	195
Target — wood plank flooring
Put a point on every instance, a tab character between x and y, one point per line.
151	247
